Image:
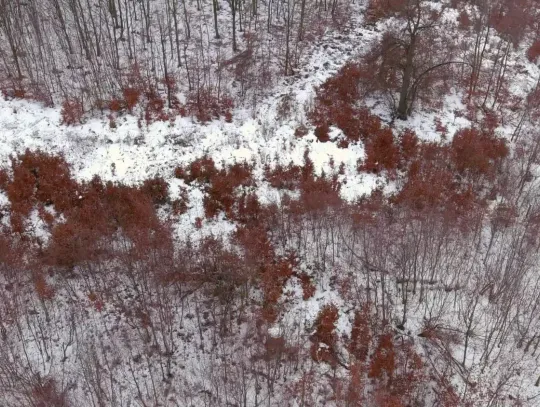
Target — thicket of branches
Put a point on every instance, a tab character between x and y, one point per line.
104	53
429	48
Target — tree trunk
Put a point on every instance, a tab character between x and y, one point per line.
403	107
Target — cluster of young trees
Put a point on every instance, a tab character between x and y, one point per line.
426	50
83	51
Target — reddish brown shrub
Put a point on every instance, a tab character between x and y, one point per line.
180	206
301	131
321	132
283	177
378	9
317	194
511	19
477	153
201	170
336	104
131	97
409	145
382	153
383	362
154	107
464	20
430	184
206	106
534	51
273	278
4	179
434	184
40	178
157	189
222	189
43	289
324	338
105	213
116	105
13	255
308	288
504	216
72	112
15	89
440	128
249	210
361	334
257	247
44	393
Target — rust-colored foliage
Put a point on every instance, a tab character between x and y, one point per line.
96	301
206	106
43	289
102	212
477	153
382	153
116	105
258	248
45	394
221	193
447	396
4	179
383	362
274	276
379	9
249	210
180	205
409	145
321	132
308	288
429	183
316	192
450	179
534	51
271	271
464	20
504	216
511	19
440	128
154	110
131	97
355	389
301	131
283	177
383	398
201	170
72	112
337	104
276	348
157	189
18	88
39	178
324	338
361	334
